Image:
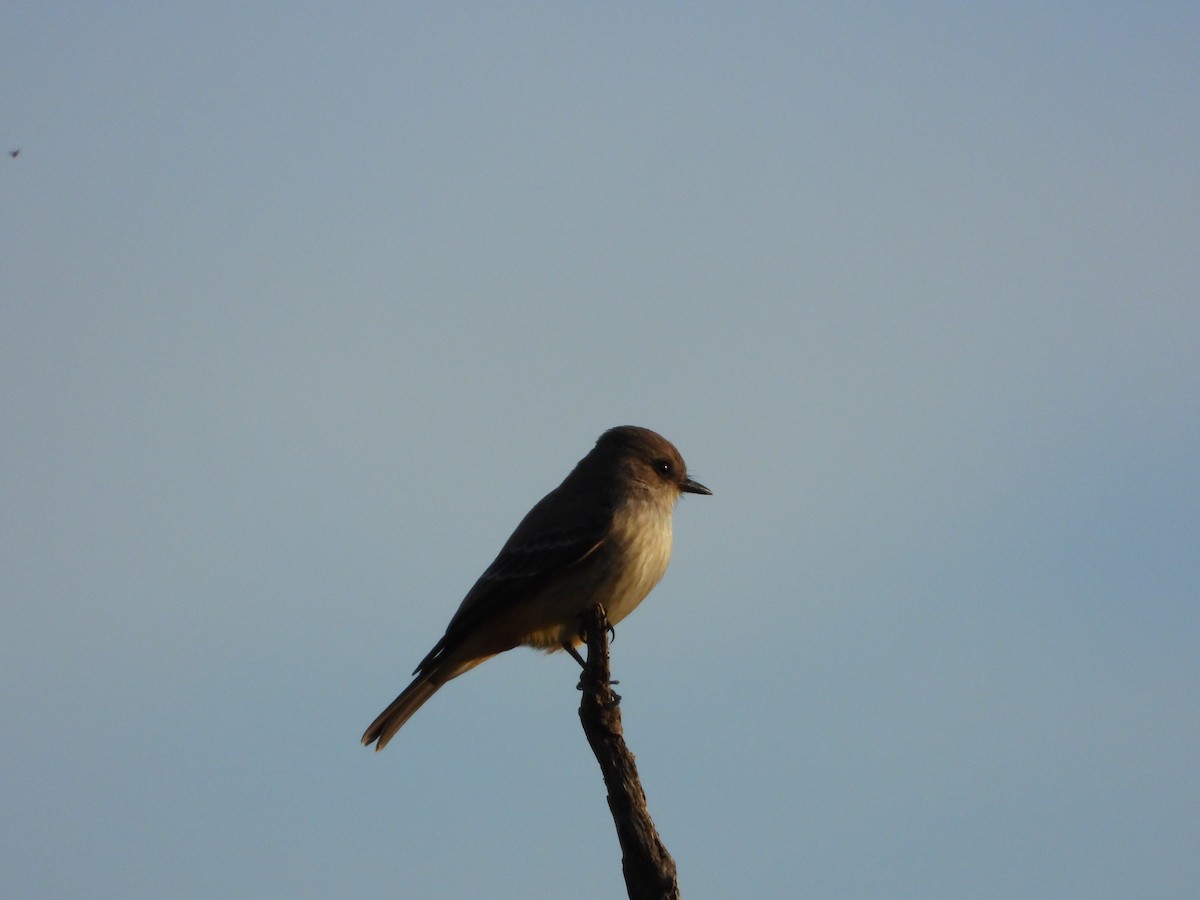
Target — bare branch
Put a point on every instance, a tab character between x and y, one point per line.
649	869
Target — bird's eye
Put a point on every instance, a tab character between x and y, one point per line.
662	466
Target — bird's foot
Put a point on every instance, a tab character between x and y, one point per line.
615	698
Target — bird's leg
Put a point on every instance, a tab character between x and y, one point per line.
570	648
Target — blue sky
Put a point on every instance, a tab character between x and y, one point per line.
303	307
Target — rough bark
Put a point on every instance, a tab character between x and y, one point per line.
649	869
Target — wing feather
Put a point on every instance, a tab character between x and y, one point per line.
532	557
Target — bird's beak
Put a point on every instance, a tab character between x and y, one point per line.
694	487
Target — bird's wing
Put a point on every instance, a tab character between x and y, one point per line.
549	540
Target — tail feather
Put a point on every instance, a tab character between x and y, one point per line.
400	711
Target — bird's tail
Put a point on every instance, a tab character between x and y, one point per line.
388	722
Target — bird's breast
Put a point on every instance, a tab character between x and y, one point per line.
629	562
641	547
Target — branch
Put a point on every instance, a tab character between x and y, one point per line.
649	869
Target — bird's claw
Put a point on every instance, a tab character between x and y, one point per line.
584	687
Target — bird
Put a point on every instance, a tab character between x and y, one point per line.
602	536
15	153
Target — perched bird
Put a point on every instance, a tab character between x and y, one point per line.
602	536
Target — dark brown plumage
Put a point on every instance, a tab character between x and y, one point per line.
603	535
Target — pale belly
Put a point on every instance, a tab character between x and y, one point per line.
620	576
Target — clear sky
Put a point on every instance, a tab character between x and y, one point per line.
302	306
